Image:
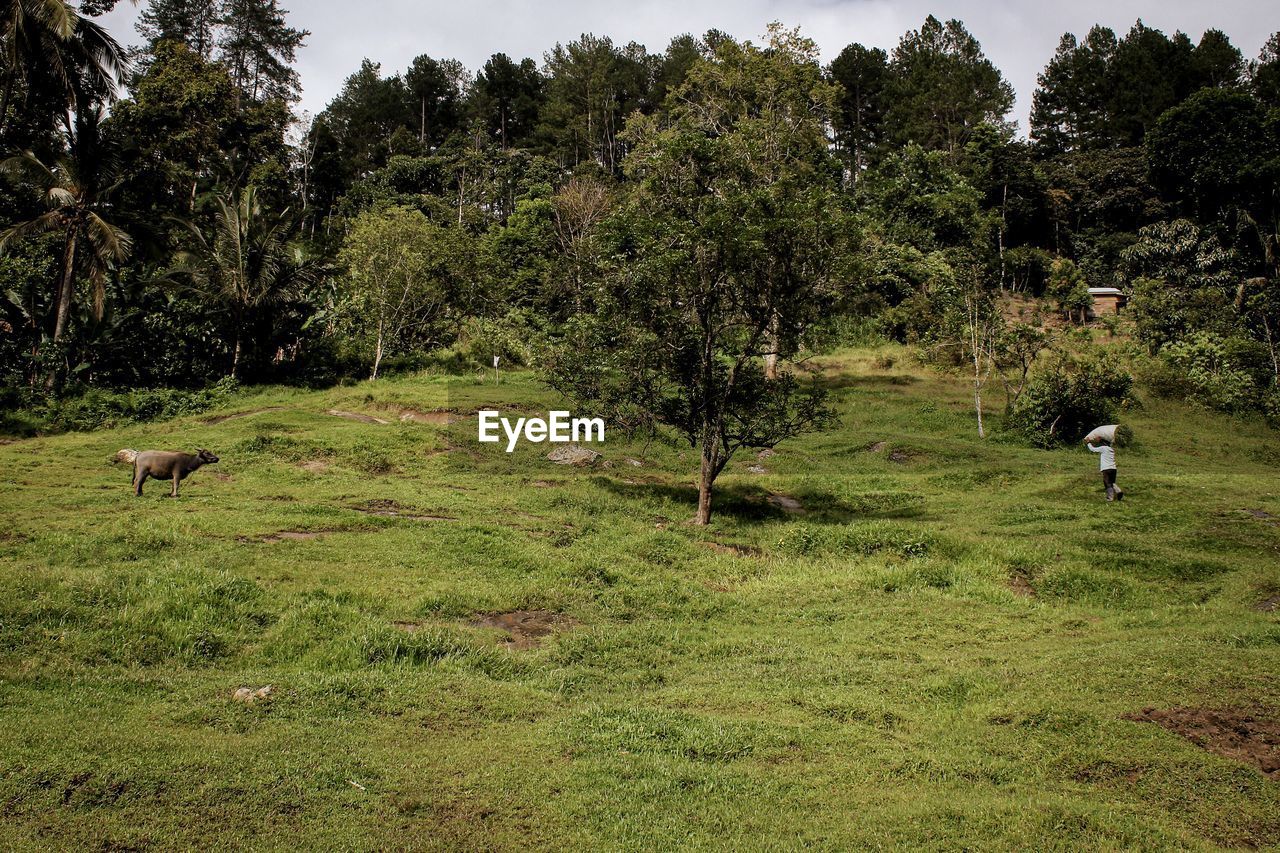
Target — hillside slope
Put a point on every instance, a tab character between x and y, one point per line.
937	641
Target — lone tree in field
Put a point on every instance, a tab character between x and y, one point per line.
724	252
402	274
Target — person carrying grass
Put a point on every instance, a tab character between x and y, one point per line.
1109	438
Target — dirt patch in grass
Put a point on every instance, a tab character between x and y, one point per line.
314	466
388	508
356	416
877	446
546	484
1021	587
1235	734
413	416
525	629
293	536
222	419
787	504
1263	515
1268	605
901	457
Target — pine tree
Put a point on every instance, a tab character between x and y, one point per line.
863	74
259	47
191	22
942	87
434	92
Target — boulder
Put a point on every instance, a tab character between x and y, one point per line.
573	454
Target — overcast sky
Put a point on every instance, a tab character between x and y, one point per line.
1019	37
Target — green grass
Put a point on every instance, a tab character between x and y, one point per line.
860	675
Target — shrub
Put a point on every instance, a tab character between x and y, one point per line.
1068	398
98	409
1208	370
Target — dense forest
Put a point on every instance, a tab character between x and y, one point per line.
172	223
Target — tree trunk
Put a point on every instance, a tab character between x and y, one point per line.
66	294
1271	345
1004	224
706	476
771	356
977	403
377	354
235	358
66	287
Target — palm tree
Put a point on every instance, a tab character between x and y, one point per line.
245	263
47	43
74	191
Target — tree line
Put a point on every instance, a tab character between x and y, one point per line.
702	214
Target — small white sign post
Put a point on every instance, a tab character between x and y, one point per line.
496	359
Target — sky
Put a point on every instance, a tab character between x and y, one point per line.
1019	37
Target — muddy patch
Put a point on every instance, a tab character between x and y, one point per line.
1263	516
314	466
1021	587
787	504
413	416
1268	605
356	416
293	536
222	419
1238	735
877	446
387	508
525	629
900	457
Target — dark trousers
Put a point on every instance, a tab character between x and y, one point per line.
1109	483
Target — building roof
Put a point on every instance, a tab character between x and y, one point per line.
1105	291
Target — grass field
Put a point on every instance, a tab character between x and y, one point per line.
939	651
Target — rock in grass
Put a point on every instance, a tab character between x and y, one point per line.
248	695
573	454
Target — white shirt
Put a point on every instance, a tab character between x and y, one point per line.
1107	462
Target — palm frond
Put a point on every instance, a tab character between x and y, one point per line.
42	224
110	243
